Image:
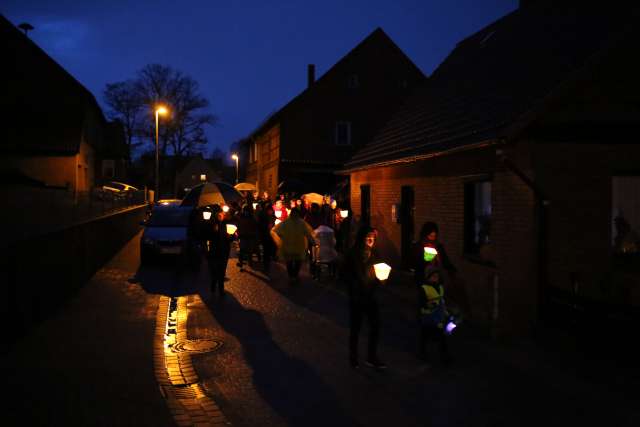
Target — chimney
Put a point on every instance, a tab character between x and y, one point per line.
311	74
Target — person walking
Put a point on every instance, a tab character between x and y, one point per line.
248	236
293	237
266	221
433	315
359	275
428	238
218	248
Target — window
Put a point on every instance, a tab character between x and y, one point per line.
203	177
625	215
108	168
343	133
477	219
353	82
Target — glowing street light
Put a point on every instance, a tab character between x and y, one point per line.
160	111
235	157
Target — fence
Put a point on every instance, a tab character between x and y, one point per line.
33	211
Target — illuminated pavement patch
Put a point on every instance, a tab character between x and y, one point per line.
178	381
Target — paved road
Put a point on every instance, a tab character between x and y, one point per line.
284	362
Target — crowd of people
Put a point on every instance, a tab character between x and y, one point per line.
297	230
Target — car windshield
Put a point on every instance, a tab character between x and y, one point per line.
169	218
116	186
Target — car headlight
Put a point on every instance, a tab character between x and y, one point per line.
148	241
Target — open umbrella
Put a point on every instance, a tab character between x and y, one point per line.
211	193
314	198
245	186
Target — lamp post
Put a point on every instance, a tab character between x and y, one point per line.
160	110
235	157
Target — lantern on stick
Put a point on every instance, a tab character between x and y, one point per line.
225	208
429	253
231	229
382	270
206	215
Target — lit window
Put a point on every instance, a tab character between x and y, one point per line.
203	177
625	215
343	133
477	218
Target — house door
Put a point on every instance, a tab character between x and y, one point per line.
365	204
407	206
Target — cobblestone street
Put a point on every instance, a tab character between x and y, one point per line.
283	361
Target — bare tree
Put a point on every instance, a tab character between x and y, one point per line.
125	105
133	102
184	132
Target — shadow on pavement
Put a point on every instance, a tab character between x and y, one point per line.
167	278
289	385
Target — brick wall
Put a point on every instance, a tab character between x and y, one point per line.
577	179
439	196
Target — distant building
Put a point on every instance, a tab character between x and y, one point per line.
196	170
315	133
52	129
522	147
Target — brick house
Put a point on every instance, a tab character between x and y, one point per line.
315	133
53	130
520	147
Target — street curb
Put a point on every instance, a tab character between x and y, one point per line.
176	376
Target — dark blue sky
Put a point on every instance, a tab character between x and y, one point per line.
249	57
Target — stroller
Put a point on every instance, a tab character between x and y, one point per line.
323	256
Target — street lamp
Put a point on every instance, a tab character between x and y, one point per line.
235	157
160	110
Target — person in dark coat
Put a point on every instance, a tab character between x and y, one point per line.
359	275
248	236
218	249
266	221
429	238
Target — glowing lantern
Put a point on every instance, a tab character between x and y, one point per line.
255	205
450	327
278	221
429	253
382	270
278	213
231	228
206	215
288	211
344	213
225	208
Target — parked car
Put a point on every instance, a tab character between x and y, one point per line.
166	234
118	188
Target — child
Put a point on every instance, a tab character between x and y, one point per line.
433	315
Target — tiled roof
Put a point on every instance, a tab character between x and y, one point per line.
43	109
491	80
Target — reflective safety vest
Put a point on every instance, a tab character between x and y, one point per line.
434	312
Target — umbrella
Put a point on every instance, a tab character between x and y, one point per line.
245	186
314	198
211	193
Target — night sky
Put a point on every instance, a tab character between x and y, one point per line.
250	57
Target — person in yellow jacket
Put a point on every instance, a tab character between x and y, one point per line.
292	236
433	315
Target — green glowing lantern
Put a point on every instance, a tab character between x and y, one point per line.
429	253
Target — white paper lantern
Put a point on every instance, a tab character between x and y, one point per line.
231	228
206	215
344	213
382	270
